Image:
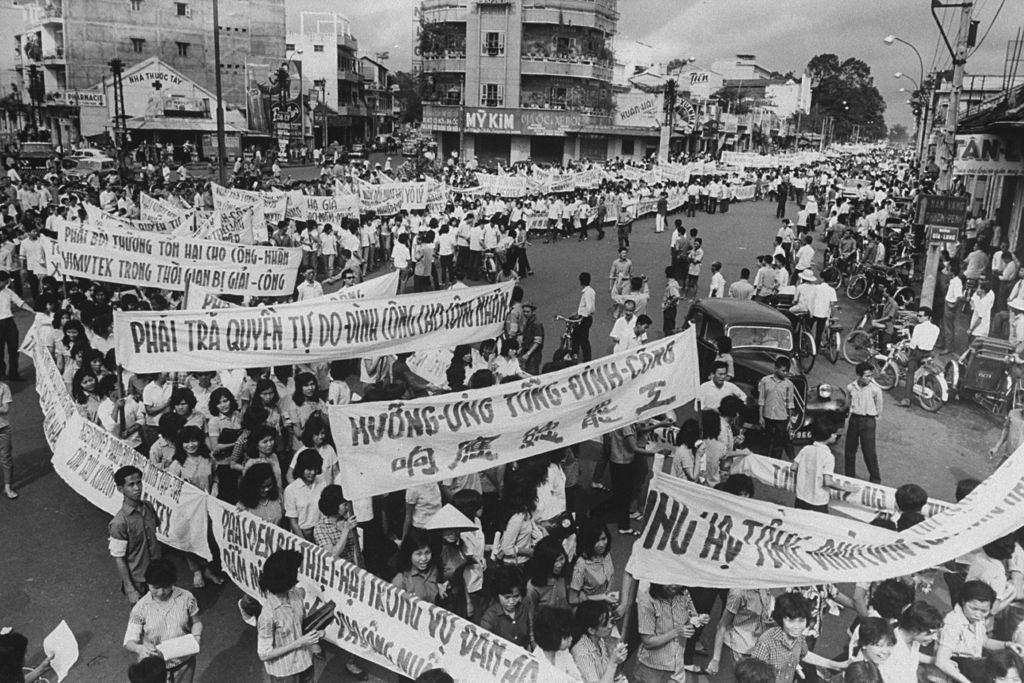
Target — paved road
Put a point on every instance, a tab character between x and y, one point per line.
55	563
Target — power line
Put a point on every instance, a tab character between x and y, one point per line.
990	25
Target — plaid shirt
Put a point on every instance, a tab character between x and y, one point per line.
326	534
661	616
782	652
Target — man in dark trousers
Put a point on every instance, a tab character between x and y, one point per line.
865	409
783	195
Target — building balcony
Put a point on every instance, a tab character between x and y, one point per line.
607	8
40	15
55	58
573	67
445	10
454	62
578	13
350	76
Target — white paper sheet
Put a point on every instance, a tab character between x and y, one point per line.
63	648
177	648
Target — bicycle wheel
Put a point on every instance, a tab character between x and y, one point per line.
805	352
832	345
833	276
887	377
930	397
857	347
856	287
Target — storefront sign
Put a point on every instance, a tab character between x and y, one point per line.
441	118
988	154
639	109
940	235
527	121
77	98
938	210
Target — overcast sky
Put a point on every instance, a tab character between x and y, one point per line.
784	34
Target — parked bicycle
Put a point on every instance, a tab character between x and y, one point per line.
876	281
831	337
930	387
838	268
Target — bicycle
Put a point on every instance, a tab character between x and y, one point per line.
838	267
930	387
804	349
876	281
571	323
831	340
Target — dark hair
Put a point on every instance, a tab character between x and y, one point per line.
744	274
301	380
862	671
719	365
413	541
122	474
588	534
1000	662
308	459
252	480
919	618
688	434
314	425
542	564
1001	548
12	656
861	368
738	485
591	614
724	345
585	279
964	488
660	591
710	424
783	363
926	310
183	394
468	502
254	417
261	386
731	406
791	606
161	573
152	669
169	425
76	384
873	630
505	579
215	397
434	676
890	598
191	433
821	430
551	626
331	498
911	498
280	571
754	670
259	434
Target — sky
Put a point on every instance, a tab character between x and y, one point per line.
784	34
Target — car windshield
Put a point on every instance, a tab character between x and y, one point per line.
744	336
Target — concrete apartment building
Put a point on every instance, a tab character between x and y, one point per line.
69	45
508	80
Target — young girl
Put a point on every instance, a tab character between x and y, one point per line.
593	571
76	359
183	402
161	453
261	449
224	429
192	463
522	531
665	622
452	561
280	639
546	587
96	361
83	390
260	494
305	404
73	333
686	462
595	660
317	435
508	616
553	628
417	571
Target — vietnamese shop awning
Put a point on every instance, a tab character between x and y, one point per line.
178	124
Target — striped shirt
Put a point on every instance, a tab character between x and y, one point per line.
153	621
661	616
280	623
593	657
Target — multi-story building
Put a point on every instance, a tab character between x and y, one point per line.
330	66
68	46
380	100
508	80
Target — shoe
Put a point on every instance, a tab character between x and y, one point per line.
10	493
197	580
355	671
694	669
905	403
628	532
599	486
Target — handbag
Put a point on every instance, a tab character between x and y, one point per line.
319	618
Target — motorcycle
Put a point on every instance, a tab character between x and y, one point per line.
930	387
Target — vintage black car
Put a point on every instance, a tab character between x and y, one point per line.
759	335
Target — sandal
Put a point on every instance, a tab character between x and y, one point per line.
629	532
197	580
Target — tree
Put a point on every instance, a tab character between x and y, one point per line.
674	64
409	97
898	134
732	100
845	92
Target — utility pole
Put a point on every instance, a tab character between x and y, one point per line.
221	177
945	150
664	147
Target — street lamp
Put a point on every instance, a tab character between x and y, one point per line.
890	39
900	74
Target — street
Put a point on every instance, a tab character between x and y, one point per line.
56	565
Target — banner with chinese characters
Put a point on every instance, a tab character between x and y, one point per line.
390	446
308	331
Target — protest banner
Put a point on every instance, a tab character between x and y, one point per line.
328	209
168	224
235	225
308	331
869	501
86	457
373	618
198	298
54	398
154	209
274	204
720	540
148	260
390	446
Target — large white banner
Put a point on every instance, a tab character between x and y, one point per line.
719	540
373	618
54	398
86	457
308	331
390	446
327	209
198	298
166	224
161	261
274	204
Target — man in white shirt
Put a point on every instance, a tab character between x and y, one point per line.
33	260
622	330
586	309
8	329
922	344
711	393
717	290
805	254
821	309
309	288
